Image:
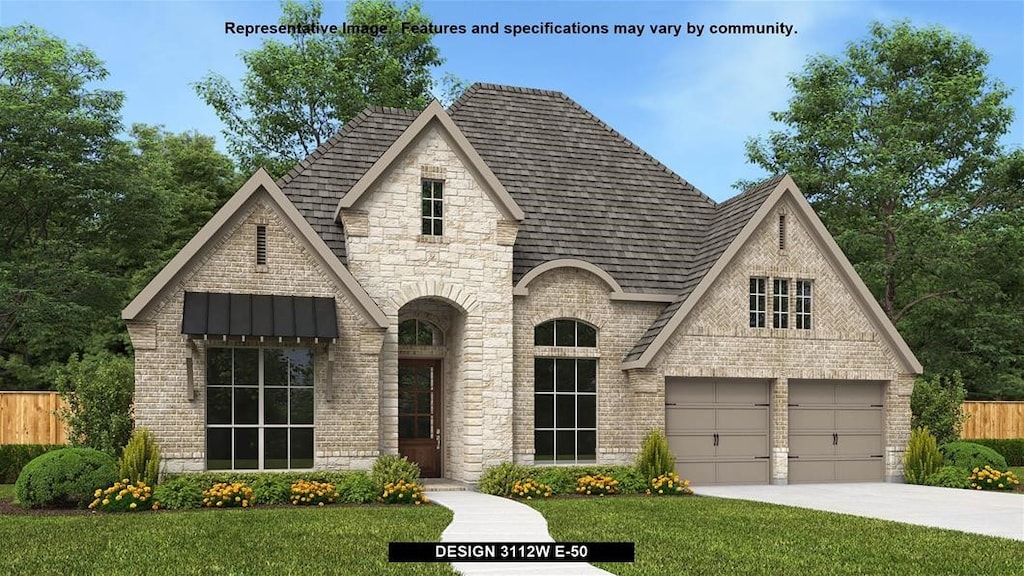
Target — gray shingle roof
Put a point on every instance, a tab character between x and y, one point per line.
588	192
317	183
730	217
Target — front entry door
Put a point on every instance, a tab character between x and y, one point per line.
419	414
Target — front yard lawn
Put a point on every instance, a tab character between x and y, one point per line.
281	540
703	535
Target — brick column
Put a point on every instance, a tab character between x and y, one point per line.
780	431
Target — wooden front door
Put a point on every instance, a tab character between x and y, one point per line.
419	414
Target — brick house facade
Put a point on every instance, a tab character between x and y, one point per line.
511	279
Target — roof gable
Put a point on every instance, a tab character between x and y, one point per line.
260	182
674	314
434	115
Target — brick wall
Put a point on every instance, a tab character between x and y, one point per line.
346	416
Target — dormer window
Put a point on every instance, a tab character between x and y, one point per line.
433	201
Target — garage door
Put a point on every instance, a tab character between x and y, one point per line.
835	431
718	429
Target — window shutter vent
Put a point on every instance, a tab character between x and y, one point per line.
782	231
261	244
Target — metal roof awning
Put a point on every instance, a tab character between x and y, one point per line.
225	314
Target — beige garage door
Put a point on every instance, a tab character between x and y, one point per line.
835	431
718	429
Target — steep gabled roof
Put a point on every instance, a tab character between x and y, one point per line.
730	217
260	182
744	214
317	183
588	192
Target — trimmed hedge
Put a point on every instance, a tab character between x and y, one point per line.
498	480
63	478
185	491
1011	448
970	456
14	457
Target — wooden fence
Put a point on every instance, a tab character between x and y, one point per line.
30	418
994	420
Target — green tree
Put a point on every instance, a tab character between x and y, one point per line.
895	143
295	95
98	391
57	129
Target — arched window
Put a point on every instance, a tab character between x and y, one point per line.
419	333
565	394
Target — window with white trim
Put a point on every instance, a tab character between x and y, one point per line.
259	408
803	304
433	207
758	302
780	303
565	395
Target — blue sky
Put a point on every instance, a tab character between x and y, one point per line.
690	102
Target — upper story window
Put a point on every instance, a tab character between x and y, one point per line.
758	304
433	207
565	333
803	304
780	303
419	333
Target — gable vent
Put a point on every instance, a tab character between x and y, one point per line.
782	231
261	244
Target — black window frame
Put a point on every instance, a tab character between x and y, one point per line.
432	207
565	393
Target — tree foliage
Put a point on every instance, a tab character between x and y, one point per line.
937	405
896	144
295	95
97	391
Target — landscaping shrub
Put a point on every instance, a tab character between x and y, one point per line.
529	489
670	485
313	493
124	496
67	477
937	403
1012	449
500	480
403	492
562	479
922	458
179	493
970	456
356	488
97	391
599	485
268	488
950	477
989	478
14	457
224	495
391	468
655	458
140	461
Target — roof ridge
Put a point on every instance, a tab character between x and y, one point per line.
769	181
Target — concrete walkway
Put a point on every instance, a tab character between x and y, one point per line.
484	518
989	513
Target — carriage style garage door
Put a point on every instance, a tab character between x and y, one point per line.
718	429
835	431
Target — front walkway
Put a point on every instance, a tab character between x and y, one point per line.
484	518
989	513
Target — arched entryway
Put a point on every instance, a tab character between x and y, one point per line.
429	331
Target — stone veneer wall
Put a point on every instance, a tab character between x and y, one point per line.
715	340
624	413
346	417
469	268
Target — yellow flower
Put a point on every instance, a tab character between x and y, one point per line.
98	493
106	501
133	506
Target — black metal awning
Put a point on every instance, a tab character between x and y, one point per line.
222	314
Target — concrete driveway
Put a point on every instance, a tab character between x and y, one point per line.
988	513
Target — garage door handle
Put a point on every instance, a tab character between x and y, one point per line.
835	439
765	404
670	403
716	439
761	457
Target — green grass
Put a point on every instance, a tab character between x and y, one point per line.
7	491
331	540
703	535
1018	471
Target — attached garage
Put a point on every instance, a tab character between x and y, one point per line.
836	431
718	429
